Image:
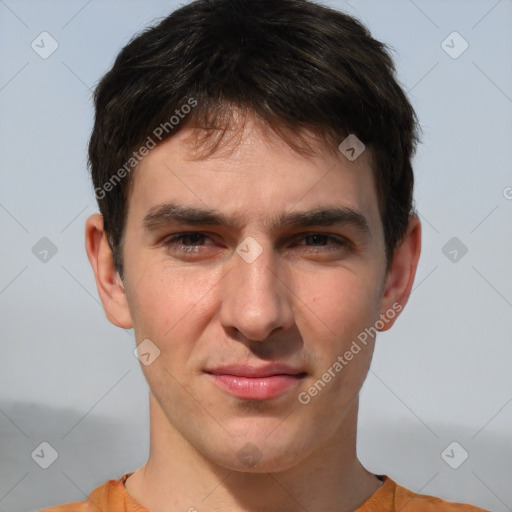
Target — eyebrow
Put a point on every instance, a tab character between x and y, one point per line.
173	213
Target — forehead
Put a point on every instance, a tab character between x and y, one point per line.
253	175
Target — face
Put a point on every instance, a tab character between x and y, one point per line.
222	271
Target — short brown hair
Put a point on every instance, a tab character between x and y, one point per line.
294	64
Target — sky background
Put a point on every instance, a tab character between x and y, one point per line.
441	375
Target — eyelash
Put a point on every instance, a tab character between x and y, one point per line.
341	242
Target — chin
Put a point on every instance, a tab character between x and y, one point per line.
253	461
262	453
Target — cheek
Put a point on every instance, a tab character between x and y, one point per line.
167	300
169	308
338	304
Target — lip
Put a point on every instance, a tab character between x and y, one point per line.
267	370
251	383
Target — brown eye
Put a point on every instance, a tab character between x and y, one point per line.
324	240
186	242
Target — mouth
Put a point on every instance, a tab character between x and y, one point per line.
250	383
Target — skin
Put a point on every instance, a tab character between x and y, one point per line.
301	302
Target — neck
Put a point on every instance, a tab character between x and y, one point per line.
177	477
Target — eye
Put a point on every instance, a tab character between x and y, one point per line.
318	239
192	241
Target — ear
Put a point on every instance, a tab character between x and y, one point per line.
400	276
110	287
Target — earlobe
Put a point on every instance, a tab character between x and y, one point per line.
108	282
402	272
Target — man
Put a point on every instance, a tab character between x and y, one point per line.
252	165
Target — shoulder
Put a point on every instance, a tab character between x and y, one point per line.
391	497
77	506
409	501
111	495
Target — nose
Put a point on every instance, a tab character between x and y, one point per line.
256	297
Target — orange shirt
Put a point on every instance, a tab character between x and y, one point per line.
112	496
